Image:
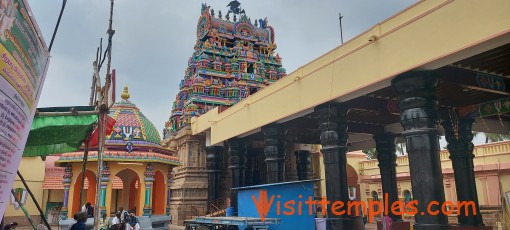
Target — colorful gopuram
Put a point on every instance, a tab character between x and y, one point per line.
136	172
234	58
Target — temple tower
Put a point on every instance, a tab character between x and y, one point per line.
233	58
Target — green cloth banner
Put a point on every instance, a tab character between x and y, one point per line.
58	134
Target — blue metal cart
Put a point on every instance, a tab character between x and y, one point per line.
230	223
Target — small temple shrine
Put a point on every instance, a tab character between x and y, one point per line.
136	172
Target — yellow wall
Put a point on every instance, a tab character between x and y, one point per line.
32	169
490	157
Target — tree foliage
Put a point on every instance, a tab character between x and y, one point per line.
492	137
371	153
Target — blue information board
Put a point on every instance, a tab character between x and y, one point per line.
292	202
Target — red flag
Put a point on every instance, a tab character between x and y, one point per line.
110	122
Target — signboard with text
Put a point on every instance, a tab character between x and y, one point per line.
23	63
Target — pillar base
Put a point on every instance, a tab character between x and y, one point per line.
401	225
102	210
147	211
63	214
339	224
431	227
471	228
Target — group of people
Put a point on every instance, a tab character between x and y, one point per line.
121	221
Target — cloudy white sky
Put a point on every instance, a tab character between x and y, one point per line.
155	38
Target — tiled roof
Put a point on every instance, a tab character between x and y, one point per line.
56	182
53	182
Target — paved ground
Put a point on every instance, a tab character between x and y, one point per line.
172	227
175	227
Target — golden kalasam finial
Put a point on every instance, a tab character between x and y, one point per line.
125	94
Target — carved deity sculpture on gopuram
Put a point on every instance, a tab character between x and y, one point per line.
233	58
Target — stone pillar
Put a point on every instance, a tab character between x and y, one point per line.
386	148
291	167
68	174
105	180
275	153
149	180
419	117
460	146
333	126
213	159
237	166
169	187
303	164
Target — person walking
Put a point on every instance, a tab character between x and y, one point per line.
10	226
81	218
89	210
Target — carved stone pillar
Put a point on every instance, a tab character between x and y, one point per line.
213	160
275	153
169	193
149	180
250	166
333	126
303	163
419	117
105	180
386	148
237	166
460	146
68	174
291	167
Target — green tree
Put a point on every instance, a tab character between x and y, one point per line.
401	149
371	153
492	137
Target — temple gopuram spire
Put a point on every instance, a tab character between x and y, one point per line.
231	61
233	58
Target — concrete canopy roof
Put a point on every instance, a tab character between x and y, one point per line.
430	35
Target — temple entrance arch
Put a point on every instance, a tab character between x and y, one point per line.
352	182
407	196
89	191
158	194
126	192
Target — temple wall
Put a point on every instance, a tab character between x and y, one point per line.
189	187
32	169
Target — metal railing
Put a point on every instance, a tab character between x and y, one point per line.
191	211
218	207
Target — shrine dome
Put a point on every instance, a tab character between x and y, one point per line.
131	125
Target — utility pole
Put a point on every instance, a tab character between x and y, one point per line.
341	31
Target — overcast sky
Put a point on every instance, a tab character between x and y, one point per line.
154	39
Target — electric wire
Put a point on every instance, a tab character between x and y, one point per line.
56	26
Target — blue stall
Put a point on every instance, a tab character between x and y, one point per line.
291	202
